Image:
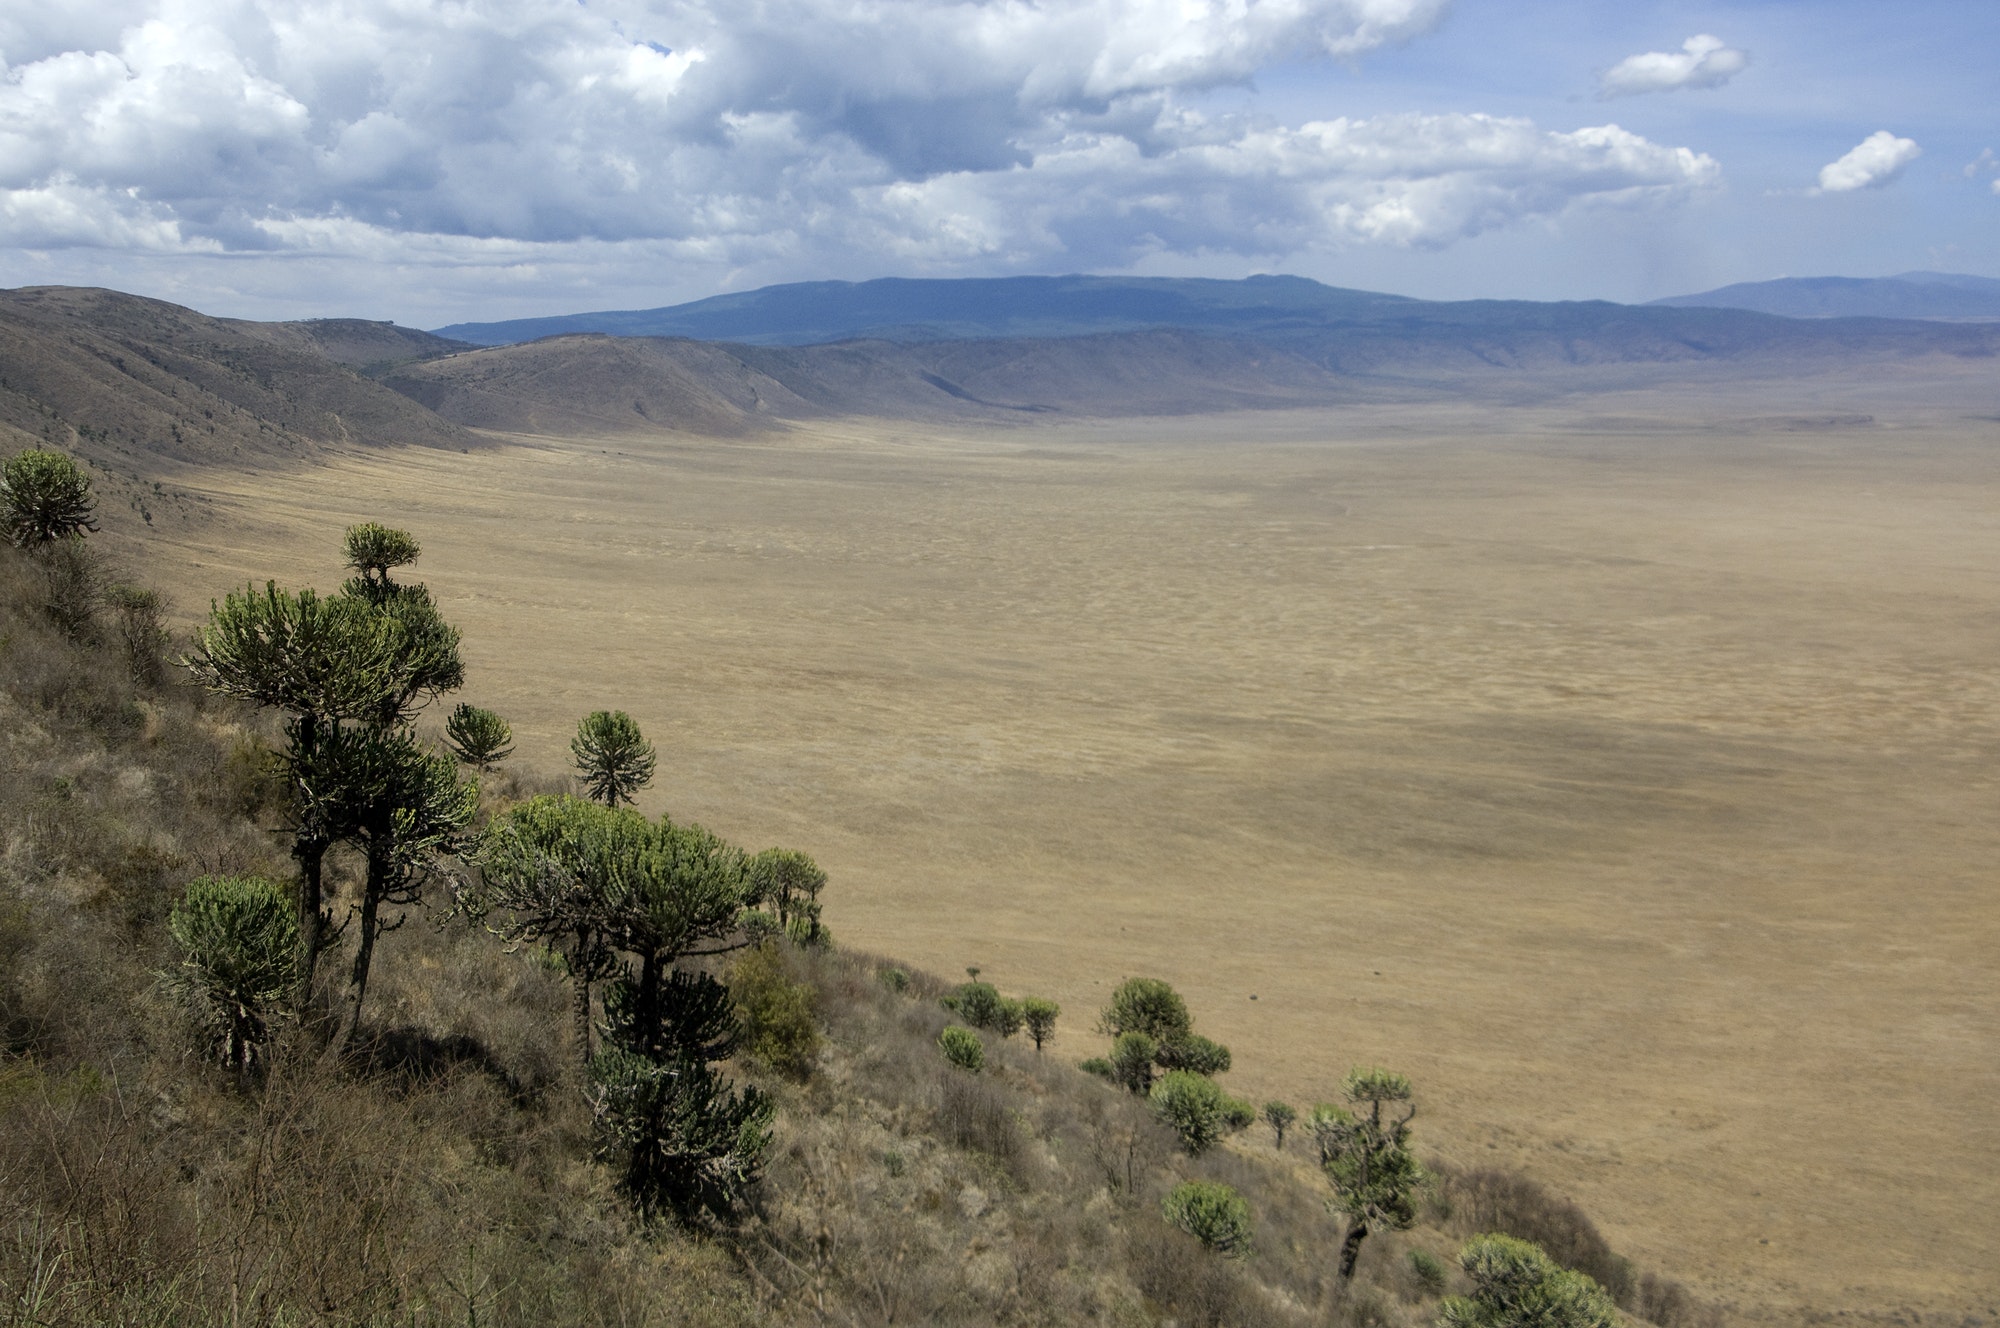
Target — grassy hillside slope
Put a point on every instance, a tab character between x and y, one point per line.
130	383
444	1172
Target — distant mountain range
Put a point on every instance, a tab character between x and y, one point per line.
1928	295
132	382
1279	310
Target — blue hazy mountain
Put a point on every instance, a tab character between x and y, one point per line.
1279	311
918	310
1927	295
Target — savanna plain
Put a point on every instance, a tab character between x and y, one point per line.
1622	772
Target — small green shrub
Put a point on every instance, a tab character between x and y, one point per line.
1428	1270
1237	1114
895	979
1194	1106
1212	1213
1098	1066
780	1017
1516	1285
962	1047
981	1005
239	943
44	498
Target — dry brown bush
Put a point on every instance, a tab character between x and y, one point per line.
1488	1199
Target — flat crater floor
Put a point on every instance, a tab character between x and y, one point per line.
1627	777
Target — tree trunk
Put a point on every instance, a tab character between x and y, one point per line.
580	1012
647	1008
309	847
1350	1249
364	949
311	853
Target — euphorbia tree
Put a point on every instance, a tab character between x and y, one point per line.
371	659
1364	1153
406	809
548	870
612	756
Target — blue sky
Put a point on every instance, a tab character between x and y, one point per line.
432	162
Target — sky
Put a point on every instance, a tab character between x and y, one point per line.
433	162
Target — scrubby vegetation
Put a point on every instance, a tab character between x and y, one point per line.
611	1070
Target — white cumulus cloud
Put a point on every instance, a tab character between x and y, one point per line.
1870	164
762	141
1704	61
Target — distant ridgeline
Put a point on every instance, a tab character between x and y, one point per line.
128	382
1284	311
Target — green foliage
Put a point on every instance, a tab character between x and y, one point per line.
1428	1271
1194	1106
593	881
962	1047
685	1141
696	1016
1279	1116
478	737
895	979
1516	1285
372	550
1193	1052
789	883
780	1017
1099	1066
44	497
981	1005
1039	1014
1212	1213
1366	1159
238	939
1238	1113
613	757
1149	1006
1132	1062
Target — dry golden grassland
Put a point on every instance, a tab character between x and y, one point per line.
1625	775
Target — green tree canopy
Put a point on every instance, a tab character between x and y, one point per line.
1516	1285
44	497
981	1005
613	757
1279	1116
1039	1014
1149	1006
372	552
